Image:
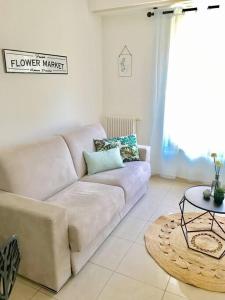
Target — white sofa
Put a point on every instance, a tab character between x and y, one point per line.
59	213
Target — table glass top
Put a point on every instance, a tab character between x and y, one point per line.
194	195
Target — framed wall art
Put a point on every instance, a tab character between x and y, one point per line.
33	62
125	63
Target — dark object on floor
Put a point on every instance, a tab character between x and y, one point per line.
9	263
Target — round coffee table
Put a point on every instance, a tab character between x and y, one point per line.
210	229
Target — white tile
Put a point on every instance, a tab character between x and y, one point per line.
142	210
28	282
161	184
48	292
129	228
139	265
190	292
140	238
169	296
145	208
42	296
123	288
111	252
180	187
86	285
22	291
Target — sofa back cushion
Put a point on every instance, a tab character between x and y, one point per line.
81	140
37	170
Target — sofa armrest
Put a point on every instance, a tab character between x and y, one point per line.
42	232
144	152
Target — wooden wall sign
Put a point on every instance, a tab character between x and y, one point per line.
32	62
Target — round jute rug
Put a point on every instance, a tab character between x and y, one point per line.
166	244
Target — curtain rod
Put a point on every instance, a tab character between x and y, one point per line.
166	12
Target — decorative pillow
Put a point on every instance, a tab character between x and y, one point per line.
127	144
103	161
104	145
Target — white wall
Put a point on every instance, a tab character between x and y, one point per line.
38	105
129	96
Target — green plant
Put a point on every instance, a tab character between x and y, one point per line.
219	196
220	190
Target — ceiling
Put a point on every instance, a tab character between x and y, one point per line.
110	6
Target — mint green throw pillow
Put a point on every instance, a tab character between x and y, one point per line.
103	161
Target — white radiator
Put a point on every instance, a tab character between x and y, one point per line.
119	126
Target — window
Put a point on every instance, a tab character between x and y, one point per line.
194	118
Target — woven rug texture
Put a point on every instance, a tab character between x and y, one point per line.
165	242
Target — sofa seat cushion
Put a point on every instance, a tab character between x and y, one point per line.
90	207
130	178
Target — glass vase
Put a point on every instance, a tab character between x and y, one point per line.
215	184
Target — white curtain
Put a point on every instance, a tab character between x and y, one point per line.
189	102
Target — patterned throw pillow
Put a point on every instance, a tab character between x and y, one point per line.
127	144
105	144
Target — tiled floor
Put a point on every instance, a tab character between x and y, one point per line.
122	269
